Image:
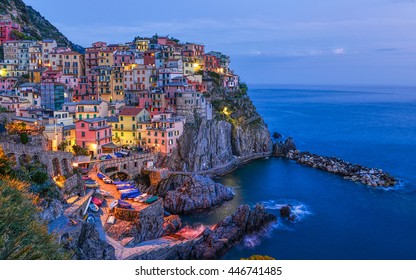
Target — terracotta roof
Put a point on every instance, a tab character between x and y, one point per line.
130	111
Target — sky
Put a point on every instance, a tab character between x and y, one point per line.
328	42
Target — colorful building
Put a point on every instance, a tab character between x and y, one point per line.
92	134
162	134
125	130
7	27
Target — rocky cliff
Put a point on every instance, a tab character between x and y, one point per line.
236	130
34	25
84	241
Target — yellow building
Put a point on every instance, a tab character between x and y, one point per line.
125	132
69	137
105	58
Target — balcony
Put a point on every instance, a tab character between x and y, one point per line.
94	128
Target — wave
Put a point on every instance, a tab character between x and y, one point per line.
300	209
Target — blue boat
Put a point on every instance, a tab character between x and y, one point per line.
119	183
126	187
100	175
132	194
124	205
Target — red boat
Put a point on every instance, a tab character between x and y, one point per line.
97	201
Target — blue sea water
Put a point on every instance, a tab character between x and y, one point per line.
339	219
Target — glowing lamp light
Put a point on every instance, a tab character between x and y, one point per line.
75	164
225	111
3	72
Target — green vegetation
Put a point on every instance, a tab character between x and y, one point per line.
22	235
63	146
80	151
24	139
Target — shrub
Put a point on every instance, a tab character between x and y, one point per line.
24	139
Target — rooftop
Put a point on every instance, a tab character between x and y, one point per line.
130	111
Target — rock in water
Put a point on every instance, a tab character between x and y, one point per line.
281	149
190	193
287	213
215	243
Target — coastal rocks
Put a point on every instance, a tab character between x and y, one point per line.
149	225
287	213
84	241
51	210
190	193
281	149
171	224
216	242
354	172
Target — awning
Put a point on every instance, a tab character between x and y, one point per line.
110	145
82	159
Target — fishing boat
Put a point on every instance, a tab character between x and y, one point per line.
124	204
104	193
113	204
97	201
151	199
142	197
131	194
93	207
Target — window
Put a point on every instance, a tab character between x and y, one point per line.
83	124
121	118
133	118
122	134
83	134
134	127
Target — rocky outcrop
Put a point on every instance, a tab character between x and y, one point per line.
287	213
203	146
149	225
85	244
214	243
354	172
51	210
281	149
171	224
185	193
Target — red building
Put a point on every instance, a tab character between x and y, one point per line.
6	28
150	57
123	58
212	63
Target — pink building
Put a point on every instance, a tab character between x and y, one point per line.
92	134
162	133
123	58
145	100
7	83
6	28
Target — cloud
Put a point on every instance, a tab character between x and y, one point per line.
338	51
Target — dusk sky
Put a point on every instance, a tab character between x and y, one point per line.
270	41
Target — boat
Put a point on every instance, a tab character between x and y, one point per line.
151	199
100	175
90	219
104	193
142	197
93	207
91	186
113	204
126	187
111	220
107	180
131	194
97	201
124	204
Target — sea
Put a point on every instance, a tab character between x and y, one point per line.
337	219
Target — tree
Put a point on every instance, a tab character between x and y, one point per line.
63	146
80	151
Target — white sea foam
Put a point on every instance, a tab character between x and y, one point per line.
300	209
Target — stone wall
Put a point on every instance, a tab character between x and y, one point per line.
56	162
